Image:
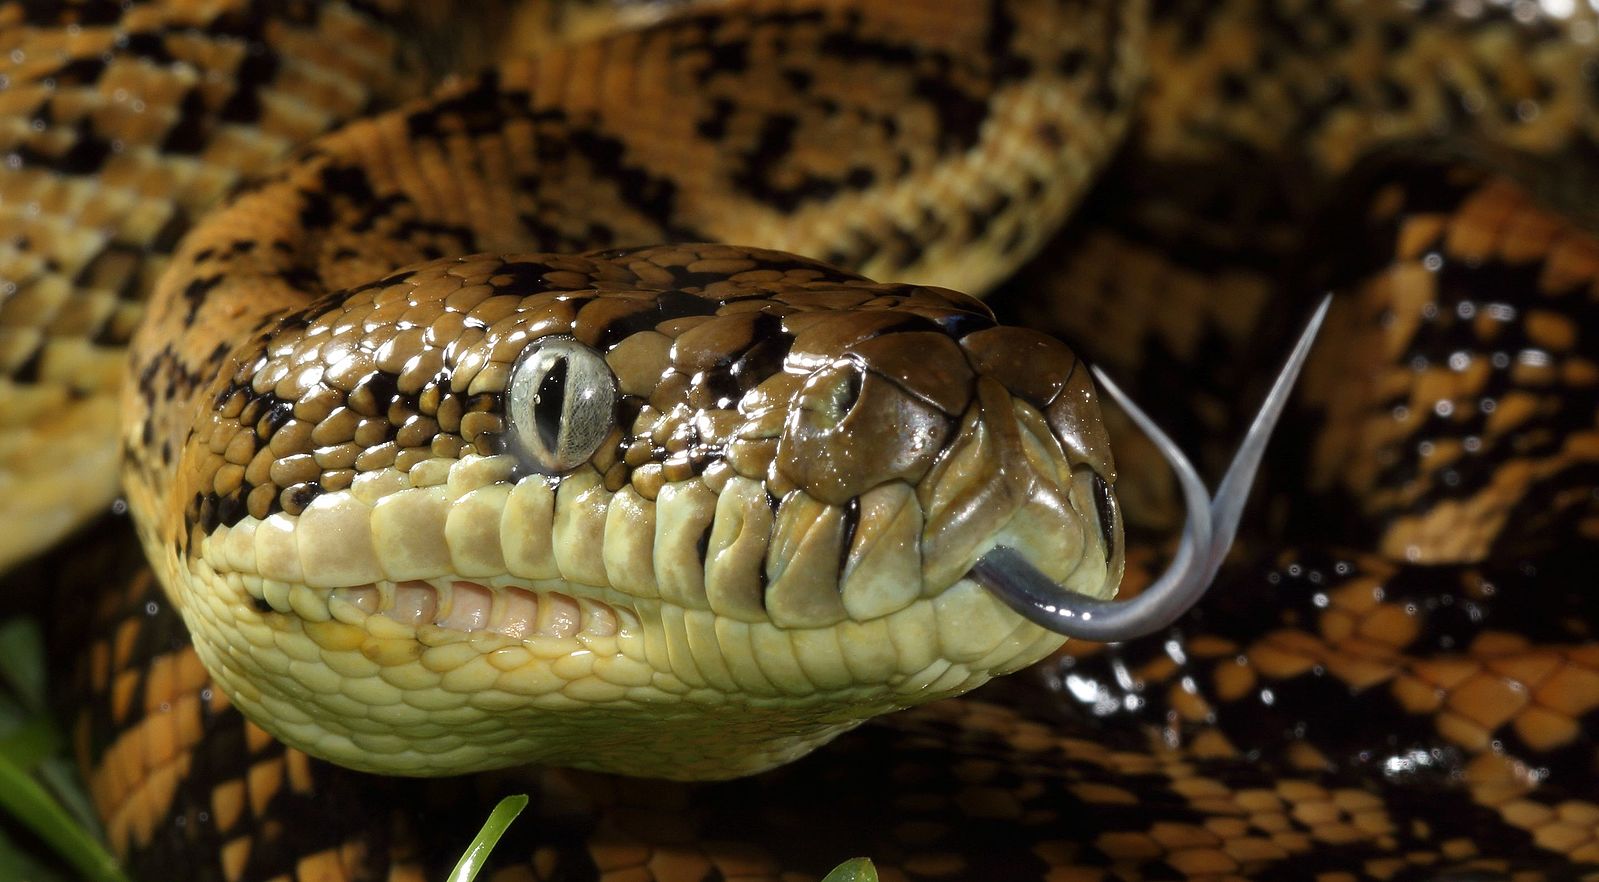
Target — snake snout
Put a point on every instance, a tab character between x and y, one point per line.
852	428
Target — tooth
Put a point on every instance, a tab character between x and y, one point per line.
807	547
335	541
240	546
308	604
580	507
630	544
276	554
682	512
276	594
737	551
558	615
408	533
517	613
469	607
414	603
525	529
884	570
472	531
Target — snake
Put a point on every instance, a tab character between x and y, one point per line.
447	464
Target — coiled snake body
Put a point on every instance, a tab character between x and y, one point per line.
406	534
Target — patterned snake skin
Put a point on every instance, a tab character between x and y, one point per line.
1446	431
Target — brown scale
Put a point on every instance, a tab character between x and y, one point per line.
1299	823
119	133
962	790
335	390
1457	418
535	157
1327	659
1185	265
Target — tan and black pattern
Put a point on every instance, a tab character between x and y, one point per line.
1458	419
1254	113
1156	766
123	124
785	465
734	550
321	436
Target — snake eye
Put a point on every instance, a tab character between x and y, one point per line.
562	404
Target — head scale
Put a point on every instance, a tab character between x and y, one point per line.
574	509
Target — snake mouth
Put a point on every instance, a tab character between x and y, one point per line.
514	611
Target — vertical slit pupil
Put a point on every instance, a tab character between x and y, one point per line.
549	404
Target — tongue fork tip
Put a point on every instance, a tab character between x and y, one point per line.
1207	535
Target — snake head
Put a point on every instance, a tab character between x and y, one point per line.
683	511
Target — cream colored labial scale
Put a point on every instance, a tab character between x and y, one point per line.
379	585
516	668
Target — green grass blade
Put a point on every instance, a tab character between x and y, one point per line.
478	852
22	662
15	863
853	870
30	742
60	777
23	798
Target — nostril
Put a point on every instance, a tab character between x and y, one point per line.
1105	508
849	392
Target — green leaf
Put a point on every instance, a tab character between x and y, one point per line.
478	852
15	863
22	661
60	776
30	742
27	801
853	870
